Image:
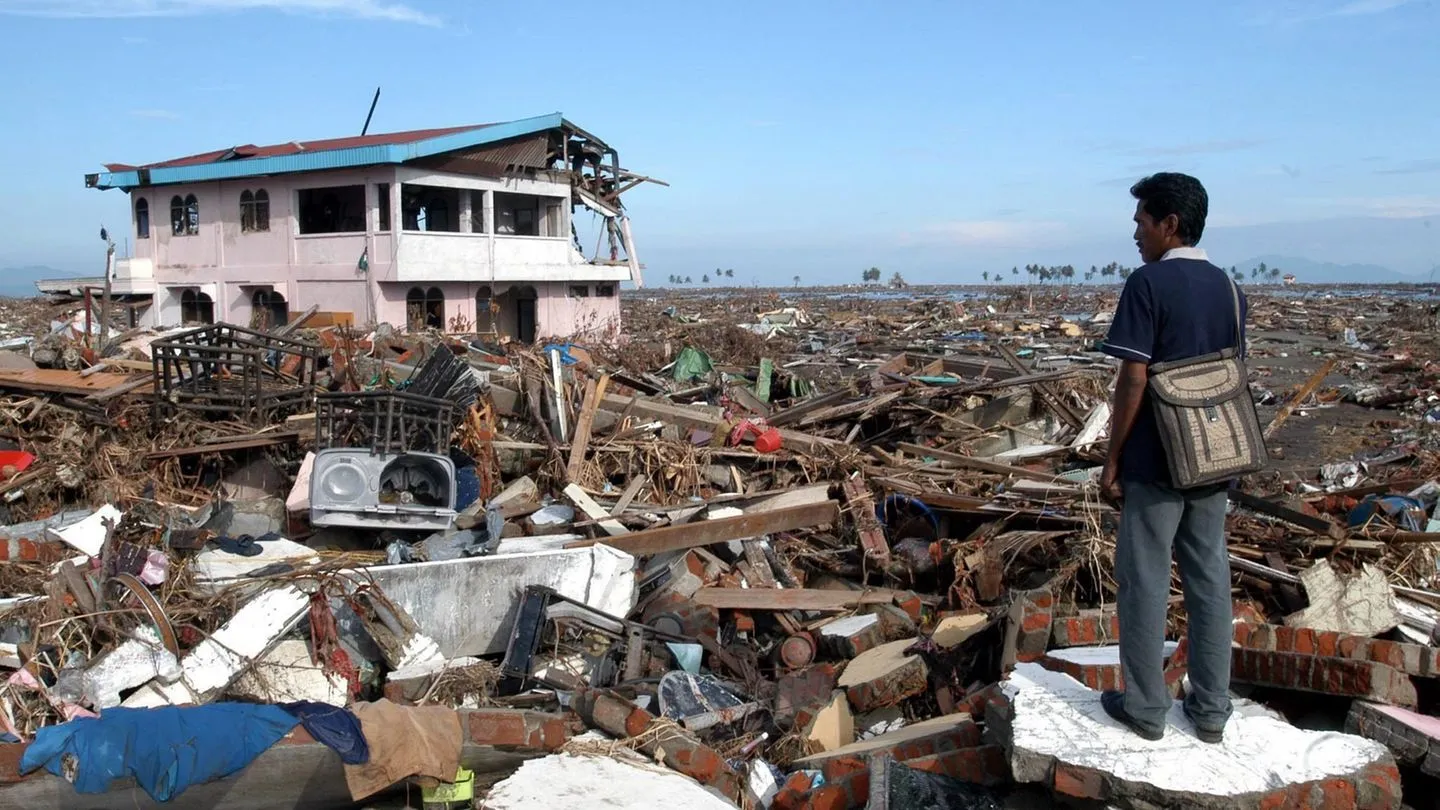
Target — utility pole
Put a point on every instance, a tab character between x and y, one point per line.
105	296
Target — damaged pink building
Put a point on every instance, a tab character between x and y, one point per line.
472	228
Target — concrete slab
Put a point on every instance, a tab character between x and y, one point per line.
565	782
468	605
1361	605
945	733
1057	733
884	676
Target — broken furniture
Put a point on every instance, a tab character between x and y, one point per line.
228	372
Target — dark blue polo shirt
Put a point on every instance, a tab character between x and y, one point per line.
1172	309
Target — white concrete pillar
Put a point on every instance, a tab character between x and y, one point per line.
465	210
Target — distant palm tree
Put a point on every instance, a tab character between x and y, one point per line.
796	279
729	273
705	279
986	275
688	281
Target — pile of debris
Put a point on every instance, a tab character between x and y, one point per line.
837	551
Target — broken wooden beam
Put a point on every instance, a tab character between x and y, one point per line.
581	441
788	598
1305	390
1313	523
721	530
862	510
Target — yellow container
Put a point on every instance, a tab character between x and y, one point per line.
463	790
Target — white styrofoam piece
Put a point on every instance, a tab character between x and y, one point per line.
1058	717
89	534
565	782
299	498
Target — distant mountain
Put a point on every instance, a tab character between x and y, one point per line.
1312	272
19	282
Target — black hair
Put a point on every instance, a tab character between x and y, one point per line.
1169	193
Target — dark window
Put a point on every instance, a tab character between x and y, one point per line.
430	208
332	210
425	309
477	212
254	211
383	191
192	215
605	290
579	291
142	219
184	216
485	309
196	307
517	214
268	310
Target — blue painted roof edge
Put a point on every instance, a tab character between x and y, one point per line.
331	158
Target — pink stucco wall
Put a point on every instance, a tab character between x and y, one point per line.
322	270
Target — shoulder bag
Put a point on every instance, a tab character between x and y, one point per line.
1207	419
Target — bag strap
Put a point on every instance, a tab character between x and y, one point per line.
1235	298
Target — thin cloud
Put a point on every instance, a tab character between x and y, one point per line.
113	9
1312	11
991	233
1360	7
158	115
1413	167
1198	148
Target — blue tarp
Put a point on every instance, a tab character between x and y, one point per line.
166	749
336	727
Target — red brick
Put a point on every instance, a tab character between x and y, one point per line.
1081	783
499	727
1034	622
1337	676
1333	794
1284	639
1243	631
982	765
1352	647
1327	643
1304	641
1388	653
829	797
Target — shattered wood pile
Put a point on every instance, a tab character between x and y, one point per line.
811	550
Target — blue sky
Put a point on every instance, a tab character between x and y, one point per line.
940	139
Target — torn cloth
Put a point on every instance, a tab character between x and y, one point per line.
165	749
405	741
335	727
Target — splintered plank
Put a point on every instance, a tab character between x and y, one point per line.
862	511
61	381
578	445
721	530
788	598
1313	523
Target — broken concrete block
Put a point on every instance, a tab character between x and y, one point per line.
1096	667
136	662
1090	627
214	564
287	674
1031	617
1341	677
799	694
833	726
880	721
1413	738
948	732
952	631
852	635
1419	660
1360	605
1058	735
884	676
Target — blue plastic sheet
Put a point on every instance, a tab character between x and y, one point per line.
166	750
566	359
336	727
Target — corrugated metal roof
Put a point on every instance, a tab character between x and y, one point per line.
335	153
249	151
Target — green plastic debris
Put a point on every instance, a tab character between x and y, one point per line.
692	364
762	385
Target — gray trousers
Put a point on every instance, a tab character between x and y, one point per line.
1153	519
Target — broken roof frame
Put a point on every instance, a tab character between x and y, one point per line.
230	165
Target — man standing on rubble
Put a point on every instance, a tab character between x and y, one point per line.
1177	306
